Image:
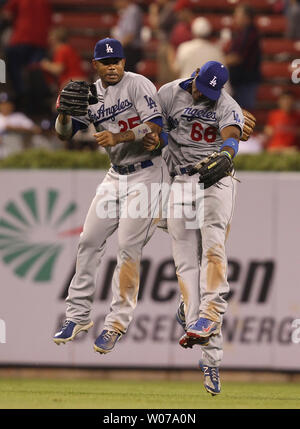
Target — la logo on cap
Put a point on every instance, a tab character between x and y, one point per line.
109	48
213	82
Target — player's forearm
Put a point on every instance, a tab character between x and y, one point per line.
63	127
230	136
139	131
107	138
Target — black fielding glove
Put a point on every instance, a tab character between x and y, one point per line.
75	98
213	168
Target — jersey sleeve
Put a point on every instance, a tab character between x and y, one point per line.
145	99
230	113
164	95
79	123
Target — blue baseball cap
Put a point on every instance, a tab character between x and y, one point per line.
108	48
211	79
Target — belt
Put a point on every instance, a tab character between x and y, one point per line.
127	169
181	170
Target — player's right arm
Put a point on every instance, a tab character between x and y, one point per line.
63	127
160	140
73	101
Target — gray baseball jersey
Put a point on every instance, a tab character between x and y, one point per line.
122	107
194	128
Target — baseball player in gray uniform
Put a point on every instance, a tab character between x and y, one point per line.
123	107
204	125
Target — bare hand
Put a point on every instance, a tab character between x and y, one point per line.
105	139
150	141
249	125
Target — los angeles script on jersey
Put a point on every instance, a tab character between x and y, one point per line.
190	113
106	113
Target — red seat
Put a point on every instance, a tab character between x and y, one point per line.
271	24
272	69
278	45
147	68
75	3
83	44
268	24
85	21
272	92
200	5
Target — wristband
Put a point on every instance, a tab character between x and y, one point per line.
64	130
233	143
227	153
140	131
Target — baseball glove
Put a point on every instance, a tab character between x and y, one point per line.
75	98
212	168
248	125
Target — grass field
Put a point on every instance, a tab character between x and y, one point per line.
97	394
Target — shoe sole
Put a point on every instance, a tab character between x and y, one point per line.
212	393
85	328
189	342
101	351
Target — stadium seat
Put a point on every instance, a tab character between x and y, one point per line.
268	24
147	68
272	92
229	5
271	46
84	44
273	70
271	24
87	21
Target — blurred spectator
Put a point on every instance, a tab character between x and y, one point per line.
162	18
182	31
196	52
16	129
66	63
31	21
282	128
128	31
244	57
293	19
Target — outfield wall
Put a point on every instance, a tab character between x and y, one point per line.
41	215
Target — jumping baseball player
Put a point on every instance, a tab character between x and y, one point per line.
123	107
204	125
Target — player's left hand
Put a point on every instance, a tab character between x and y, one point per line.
213	168
249	125
150	141
105	138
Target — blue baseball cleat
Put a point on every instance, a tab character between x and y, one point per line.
203	328
69	330
180	316
212	382
106	341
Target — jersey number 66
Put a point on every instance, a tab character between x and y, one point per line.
198	133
